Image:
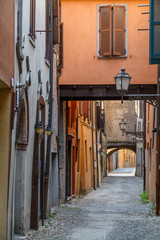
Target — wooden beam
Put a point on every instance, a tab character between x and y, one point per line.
101	92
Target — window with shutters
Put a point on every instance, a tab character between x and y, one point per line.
112	31
32	18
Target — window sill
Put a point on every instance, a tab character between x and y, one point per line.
111	57
32	41
47	62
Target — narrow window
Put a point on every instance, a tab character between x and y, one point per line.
32	18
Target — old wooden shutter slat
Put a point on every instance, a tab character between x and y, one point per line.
98	117
61	47
118	30
85	109
31	15
105	30
55	30
55	8
34	17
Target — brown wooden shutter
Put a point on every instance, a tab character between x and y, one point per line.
47	28
85	109
118	30
32	18
98	117
55	22
55	8
105	30
55	30
61	47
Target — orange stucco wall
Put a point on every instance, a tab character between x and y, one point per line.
6	41
81	64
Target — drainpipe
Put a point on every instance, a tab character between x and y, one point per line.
66	148
96	147
158	148
93	147
101	141
47	167
144	146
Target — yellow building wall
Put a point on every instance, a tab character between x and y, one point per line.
85	155
126	158
5	106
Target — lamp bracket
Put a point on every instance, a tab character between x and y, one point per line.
153	99
134	133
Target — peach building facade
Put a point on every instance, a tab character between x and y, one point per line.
83	61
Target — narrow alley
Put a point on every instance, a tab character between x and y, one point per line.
112	212
80	120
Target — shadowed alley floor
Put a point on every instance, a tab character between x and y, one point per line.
112	212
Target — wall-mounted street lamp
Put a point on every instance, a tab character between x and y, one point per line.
39	129
123	127
48	130
122	81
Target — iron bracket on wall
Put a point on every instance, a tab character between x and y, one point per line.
153	99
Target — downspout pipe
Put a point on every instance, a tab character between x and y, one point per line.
158	148
144	144
96	145
48	155
93	147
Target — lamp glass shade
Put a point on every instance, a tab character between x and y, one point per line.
122	125
125	83
122	81
39	128
118	83
48	131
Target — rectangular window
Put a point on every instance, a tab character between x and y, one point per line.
112	30
32	18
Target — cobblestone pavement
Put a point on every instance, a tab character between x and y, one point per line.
112	212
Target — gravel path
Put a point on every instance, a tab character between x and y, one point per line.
112	212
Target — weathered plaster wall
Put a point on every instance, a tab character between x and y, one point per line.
115	111
36	53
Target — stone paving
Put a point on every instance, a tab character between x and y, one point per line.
123	172
112	212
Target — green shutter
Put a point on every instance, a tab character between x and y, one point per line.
154	51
